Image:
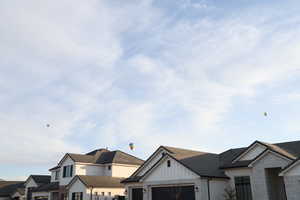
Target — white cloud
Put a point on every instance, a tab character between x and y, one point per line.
126	74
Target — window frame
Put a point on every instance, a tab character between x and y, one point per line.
243	188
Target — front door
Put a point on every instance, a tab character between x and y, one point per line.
173	193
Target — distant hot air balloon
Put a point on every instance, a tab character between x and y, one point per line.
47	125
131	146
265	114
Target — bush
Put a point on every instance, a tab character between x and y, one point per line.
229	194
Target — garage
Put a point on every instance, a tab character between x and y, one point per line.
173	193
137	193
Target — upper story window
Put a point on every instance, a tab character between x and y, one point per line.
56	175
169	163
109	167
243	188
68	171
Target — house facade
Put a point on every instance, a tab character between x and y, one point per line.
260	171
94	175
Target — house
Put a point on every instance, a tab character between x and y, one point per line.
12	190
32	183
261	171
97	173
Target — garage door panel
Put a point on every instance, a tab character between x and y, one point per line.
173	193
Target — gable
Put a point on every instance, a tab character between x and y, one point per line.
176	171
30	183
295	171
76	185
252	152
292	169
154	158
67	161
270	159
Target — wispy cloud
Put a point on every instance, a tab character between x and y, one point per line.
132	72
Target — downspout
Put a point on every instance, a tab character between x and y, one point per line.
91	195
208	189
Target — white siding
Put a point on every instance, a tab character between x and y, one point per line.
78	186
295	171
217	189
123	170
175	172
53	175
90	170
30	183
259	185
151	162
66	180
114	192
253	152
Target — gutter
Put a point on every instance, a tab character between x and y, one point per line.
208	188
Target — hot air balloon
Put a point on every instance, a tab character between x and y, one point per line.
265	114
131	146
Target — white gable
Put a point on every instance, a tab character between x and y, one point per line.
176	171
151	162
252	152
294	170
30	183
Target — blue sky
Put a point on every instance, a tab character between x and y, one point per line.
189	73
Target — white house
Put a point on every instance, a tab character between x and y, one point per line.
77	171
260	171
32	183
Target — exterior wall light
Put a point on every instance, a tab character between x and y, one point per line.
196	189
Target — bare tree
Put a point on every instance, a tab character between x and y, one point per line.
229	194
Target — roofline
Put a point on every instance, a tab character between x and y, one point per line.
150	157
289	167
265	152
73	180
152	167
195	171
247	149
165	156
130	155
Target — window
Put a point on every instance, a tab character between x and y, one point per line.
243	188
109	167
77	196
56	175
68	171
169	163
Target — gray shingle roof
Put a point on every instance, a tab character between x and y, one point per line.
101	181
8	188
47	187
213	165
41	179
103	156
